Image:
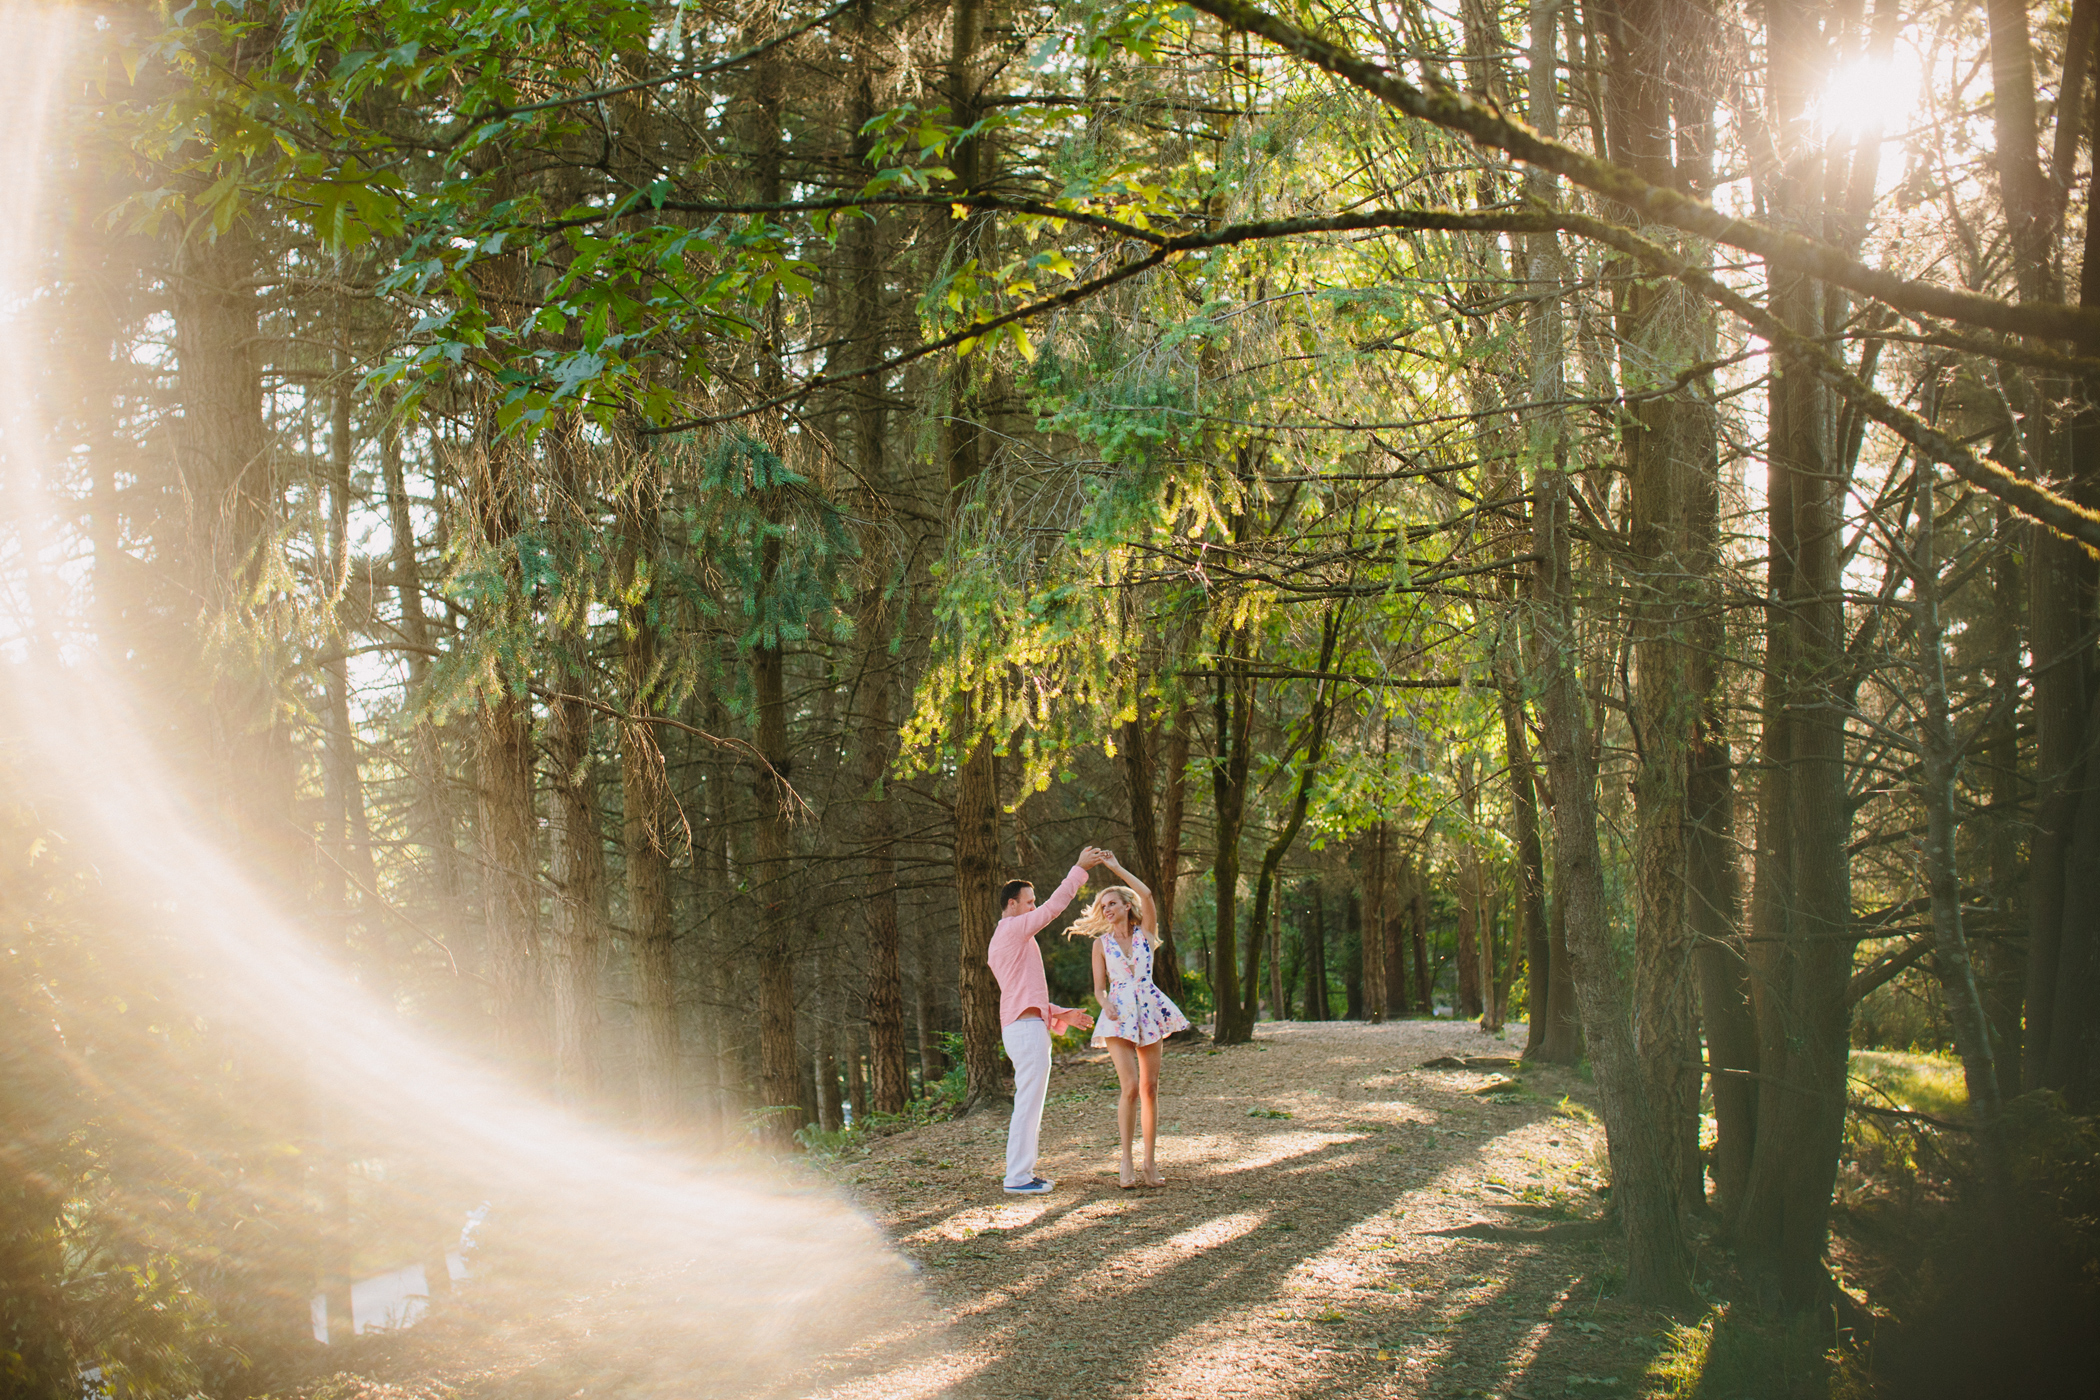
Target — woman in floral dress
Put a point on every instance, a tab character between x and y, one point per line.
1136	1017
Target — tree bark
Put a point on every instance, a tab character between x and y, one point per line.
1941	755
1469	961
865	334
1316	1004
577	871
1378	880
926	1008
1418	934
507	820
648	822
1232	718
1166	972
1658	1261
1529	924
890	1083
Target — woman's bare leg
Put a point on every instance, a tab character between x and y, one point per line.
1148	1057
1125	1055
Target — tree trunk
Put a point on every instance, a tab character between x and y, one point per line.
824	1033
1418	934
1232	717
1469	962
1266	886
865	333
507	821
962	450
2062	1039
890	1086
230	490
1801	956
1138	745
1352	961
1378	880
1941	756
1668	437
1316	1006
1279	1007
648	824
1394	940
1529	924
1545	430
926	1009
577	871
429	814
1166	970
1658	1261
977	914
355	875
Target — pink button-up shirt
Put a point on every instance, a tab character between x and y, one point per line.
1018	963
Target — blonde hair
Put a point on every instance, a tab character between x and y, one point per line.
1093	923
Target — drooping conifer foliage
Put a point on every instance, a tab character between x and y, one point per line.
630	520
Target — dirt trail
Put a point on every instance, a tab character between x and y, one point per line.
1337	1221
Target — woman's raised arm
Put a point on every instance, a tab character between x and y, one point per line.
1149	911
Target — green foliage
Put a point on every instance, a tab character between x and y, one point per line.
1196	1001
113	1243
1904	1013
1731	1354
1998	1302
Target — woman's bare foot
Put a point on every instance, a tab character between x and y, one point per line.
1153	1178
1127	1177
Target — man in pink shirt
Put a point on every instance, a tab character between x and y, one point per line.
1027	1016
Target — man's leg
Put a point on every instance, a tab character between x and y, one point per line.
1028	1046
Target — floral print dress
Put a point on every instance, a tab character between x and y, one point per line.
1135	1009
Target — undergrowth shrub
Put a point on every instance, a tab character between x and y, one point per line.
2005	1306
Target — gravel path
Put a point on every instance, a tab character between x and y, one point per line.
1337	1220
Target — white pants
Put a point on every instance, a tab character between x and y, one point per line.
1028	1046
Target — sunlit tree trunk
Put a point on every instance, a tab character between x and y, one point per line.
1644	1189
350	840
1668	436
230	488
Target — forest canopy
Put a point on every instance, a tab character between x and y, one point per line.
624	523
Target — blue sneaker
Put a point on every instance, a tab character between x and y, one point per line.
1035	1186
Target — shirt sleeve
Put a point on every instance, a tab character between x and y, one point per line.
1022	927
